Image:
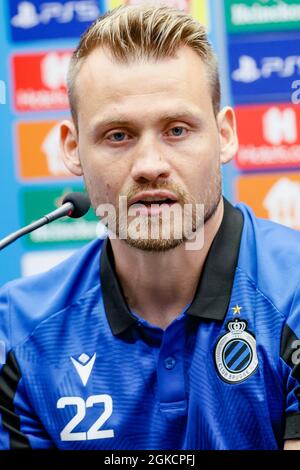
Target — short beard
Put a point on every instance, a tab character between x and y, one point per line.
210	201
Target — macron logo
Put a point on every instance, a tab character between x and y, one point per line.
84	366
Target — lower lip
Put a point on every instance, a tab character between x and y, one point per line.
153	209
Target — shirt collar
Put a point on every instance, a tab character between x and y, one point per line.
213	292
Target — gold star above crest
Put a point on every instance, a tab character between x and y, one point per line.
236	309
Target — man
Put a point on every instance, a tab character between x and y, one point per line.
148	341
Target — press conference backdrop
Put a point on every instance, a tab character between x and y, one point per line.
258	46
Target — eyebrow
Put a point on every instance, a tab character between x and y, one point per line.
123	122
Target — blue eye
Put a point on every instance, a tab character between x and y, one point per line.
117	136
177	131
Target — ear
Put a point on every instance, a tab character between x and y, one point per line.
228	134
69	147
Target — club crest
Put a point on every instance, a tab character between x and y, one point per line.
235	353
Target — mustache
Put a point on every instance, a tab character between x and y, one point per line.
182	195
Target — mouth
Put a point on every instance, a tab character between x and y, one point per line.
148	203
155	197
152	203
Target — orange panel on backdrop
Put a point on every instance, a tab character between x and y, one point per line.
38	152
274	196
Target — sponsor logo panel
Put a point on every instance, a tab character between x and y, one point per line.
264	68
274	196
39	152
262	15
38	19
273	141
39	201
40	81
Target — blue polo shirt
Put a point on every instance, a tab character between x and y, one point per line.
84	372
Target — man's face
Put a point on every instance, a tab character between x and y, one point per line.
147	131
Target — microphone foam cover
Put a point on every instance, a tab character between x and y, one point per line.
81	203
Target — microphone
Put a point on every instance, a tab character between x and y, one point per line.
74	205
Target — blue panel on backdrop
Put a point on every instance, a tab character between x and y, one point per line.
42	19
263	68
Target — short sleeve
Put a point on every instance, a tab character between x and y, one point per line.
290	353
20	428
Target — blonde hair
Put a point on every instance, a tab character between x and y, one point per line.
144	32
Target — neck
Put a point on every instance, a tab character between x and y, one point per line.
159	285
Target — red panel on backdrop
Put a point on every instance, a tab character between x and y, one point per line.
269	136
40	80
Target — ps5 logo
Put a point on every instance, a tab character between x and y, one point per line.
29	15
2	92
249	71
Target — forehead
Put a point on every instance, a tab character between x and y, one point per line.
104	83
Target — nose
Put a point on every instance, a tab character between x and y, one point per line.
150	162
